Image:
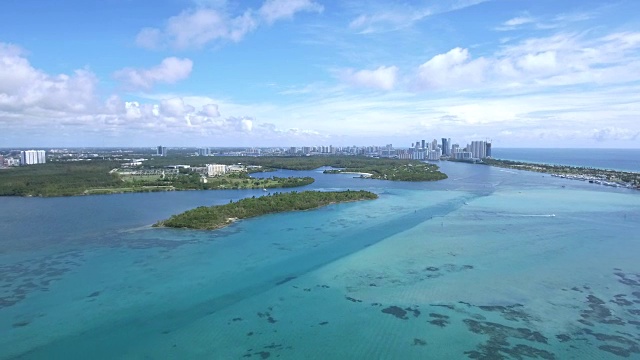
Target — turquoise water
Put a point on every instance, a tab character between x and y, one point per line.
488	264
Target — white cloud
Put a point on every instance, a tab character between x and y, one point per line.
149	38
175	107
169	71
614	133
25	89
384	77
520	20
210	110
386	16
558	60
453	69
526	21
195	28
273	10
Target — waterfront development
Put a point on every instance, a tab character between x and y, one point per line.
434	270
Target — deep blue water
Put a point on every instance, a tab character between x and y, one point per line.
490	263
614	159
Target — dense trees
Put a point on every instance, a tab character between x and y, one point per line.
215	217
58	179
96	177
83	177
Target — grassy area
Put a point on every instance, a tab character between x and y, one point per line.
134	178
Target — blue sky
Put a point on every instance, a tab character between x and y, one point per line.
313	72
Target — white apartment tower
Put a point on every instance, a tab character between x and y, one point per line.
31	157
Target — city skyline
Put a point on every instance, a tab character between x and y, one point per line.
287	73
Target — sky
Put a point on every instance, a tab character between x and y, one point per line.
522	73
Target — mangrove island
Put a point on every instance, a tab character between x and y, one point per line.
215	217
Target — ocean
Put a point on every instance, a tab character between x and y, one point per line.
614	159
489	264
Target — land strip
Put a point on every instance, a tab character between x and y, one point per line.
605	177
215	217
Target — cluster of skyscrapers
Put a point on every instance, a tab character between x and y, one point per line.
420	150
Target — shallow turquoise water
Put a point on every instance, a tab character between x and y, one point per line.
487	264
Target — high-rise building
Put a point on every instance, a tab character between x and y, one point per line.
479	149
446	145
30	157
162	151
203	152
423	144
488	149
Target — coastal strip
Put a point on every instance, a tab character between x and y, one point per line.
215	217
613	178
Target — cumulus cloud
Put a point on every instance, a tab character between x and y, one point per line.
197	27
452	69
273	10
210	110
193	28
175	107
24	88
558	60
169	71
384	77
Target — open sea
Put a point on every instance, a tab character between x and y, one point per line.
614	159
489	264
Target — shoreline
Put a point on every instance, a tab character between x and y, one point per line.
611	178
208	218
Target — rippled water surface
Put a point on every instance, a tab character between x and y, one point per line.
488	264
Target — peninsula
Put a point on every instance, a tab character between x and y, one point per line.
612	178
215	217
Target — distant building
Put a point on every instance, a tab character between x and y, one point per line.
31	157
162	151
203	152
216	169
446	146
479	149
488	149
12	162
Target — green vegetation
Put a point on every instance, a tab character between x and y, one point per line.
610	177
96	177
385	169
58	179
215	217
396	171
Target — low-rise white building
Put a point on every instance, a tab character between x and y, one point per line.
216	169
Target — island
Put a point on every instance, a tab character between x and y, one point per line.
215	217
605	177
395	171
